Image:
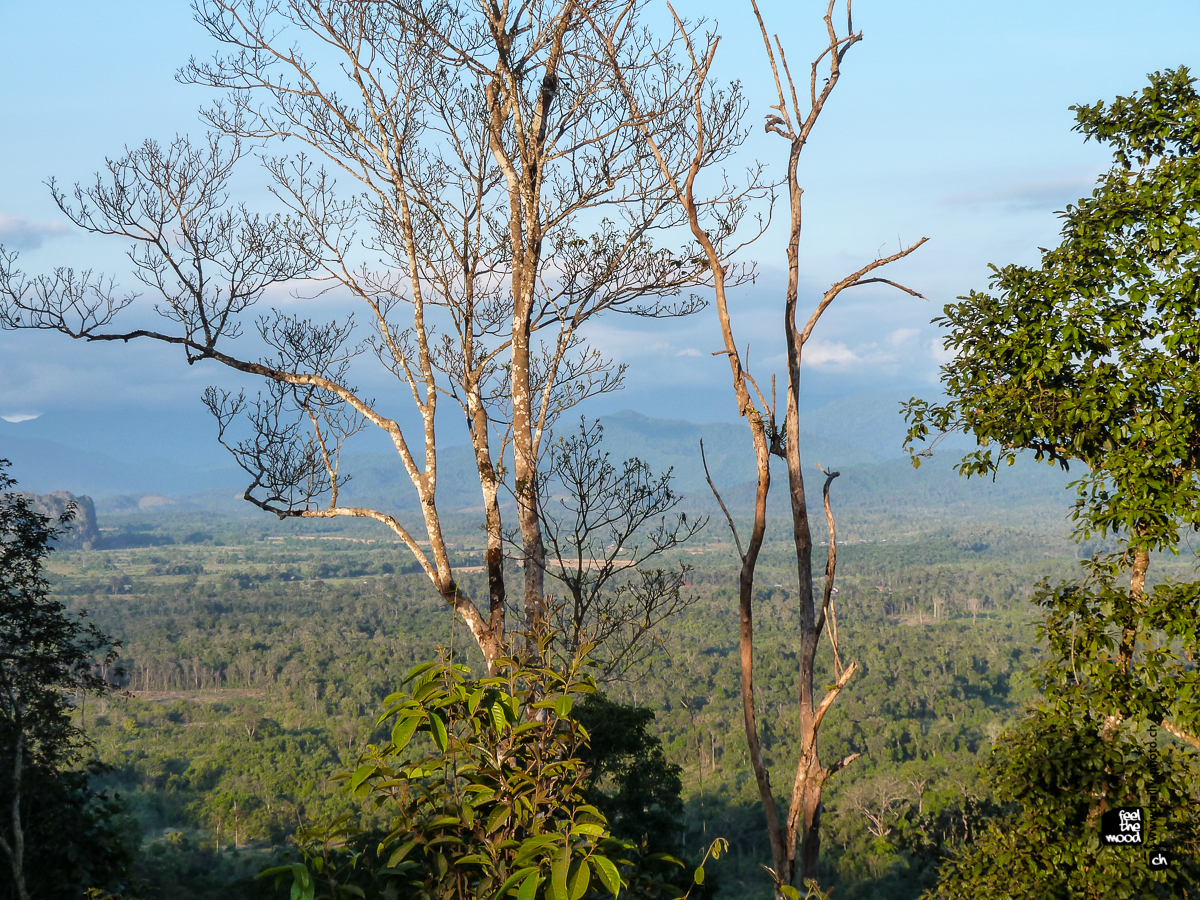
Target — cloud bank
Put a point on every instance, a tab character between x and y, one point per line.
20	233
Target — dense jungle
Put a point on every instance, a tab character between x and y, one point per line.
257	654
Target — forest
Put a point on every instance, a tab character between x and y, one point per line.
256	655
513	657
256	662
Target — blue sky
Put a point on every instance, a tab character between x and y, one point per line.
951	122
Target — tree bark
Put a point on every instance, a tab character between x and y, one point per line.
15	851
803	821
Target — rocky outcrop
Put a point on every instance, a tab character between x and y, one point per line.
82	532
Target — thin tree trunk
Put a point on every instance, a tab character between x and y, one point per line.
779	852
493	640
804	816
525	474
1137	591
16	850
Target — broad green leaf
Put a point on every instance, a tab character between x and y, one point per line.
698	875
445	839
559	869
530	847
390	711
473	700
529	887
608	873
399	854
426	690
440	737
361	774
563	706
497	819
579	879
404	730
511	881
588	829
499	720
418	670
303	887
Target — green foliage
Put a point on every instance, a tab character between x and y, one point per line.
1093	744
258	631
1062	775
628	776
76	839
47	659
1092	357
46	655
481	782
1084	668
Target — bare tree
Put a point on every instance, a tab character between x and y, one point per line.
974	605
713	222
919	778
495	195
602	526
878	800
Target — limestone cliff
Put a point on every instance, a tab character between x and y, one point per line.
83	533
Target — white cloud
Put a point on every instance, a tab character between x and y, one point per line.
1029	195
20	233
940	354
902	335
690	351
820	353
20	417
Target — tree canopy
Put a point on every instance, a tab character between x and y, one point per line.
1091	357
47	659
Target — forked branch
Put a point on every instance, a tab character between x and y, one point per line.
856	279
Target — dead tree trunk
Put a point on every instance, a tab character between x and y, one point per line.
713	223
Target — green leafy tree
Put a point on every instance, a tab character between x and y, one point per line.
636	788
628	776
57	837
486	802
1090	359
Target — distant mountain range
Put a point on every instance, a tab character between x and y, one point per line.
860	435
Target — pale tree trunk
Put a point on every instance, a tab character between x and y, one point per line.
463	155
1137	592
492	642
801	829
523	174
1125	652
15	850
525	483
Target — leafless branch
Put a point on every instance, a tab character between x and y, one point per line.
728	518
